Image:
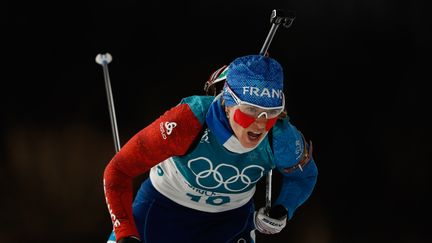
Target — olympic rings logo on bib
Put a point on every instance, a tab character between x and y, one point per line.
226	175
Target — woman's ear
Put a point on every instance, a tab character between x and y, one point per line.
227	111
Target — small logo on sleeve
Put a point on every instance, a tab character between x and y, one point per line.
205	138
166	128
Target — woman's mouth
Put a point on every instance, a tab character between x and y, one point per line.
253	136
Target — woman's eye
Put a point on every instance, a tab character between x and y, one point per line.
273	113
251	110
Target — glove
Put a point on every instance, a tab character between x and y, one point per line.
269	225
129	239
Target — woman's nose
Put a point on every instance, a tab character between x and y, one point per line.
261	122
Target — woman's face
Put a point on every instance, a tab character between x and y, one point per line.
249	137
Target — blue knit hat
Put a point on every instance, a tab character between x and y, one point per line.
255	79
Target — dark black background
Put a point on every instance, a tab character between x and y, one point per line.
356	75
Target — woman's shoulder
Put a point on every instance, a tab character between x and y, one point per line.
287	141
199	104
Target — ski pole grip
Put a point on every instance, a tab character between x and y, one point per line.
277	18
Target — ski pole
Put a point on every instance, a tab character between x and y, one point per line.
277	18
104	60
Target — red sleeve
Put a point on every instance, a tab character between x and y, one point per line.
170	135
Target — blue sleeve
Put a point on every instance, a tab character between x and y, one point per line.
297	185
